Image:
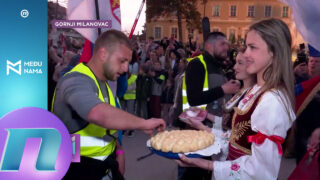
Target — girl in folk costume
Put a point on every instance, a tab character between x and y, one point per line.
248	81
222	123
262	118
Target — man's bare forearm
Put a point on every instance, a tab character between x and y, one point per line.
113	118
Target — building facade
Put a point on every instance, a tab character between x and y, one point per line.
232	17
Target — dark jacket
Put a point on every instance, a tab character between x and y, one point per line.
143	87
306	123
167	95
195	73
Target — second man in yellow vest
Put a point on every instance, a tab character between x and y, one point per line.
206	86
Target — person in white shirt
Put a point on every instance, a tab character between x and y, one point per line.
264	115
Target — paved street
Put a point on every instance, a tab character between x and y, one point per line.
155	167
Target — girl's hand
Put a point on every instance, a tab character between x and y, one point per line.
314	141
194	162
187	162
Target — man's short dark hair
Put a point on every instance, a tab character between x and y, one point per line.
213	36
110	39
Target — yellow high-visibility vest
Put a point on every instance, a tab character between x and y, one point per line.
185	104
131	94
92	143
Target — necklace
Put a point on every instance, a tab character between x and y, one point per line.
235	100
251	94
247	98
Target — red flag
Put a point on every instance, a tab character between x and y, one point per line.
86	10
86	52
307	90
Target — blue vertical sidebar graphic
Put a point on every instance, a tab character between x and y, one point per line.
23	54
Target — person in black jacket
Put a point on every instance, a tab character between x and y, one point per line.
167	100
143	91
216	47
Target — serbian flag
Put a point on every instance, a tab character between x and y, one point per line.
305	92
93	10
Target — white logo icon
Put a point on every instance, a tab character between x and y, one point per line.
24	13
10	66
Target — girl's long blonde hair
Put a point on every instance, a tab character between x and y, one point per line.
279	74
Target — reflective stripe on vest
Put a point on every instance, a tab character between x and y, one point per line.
92	143
185	104
131	94
162	77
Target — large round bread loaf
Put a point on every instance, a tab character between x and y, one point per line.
182	141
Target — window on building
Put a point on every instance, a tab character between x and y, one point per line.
174	32
157	32
233	11
267	11
250	11
216	10
285	11
190	33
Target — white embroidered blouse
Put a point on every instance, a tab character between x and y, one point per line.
270	118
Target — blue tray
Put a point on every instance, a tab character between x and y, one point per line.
172	155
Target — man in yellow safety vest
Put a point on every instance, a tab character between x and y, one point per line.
85	104
206	86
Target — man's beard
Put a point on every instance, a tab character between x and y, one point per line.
109	76
107	72
219	56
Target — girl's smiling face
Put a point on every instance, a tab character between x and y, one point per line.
257	54
240	67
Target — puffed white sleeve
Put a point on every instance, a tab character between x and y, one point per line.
270	118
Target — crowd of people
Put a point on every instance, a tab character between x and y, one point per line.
248	90
154	75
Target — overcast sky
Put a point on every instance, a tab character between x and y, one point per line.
129	11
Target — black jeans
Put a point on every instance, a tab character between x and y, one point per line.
92	169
